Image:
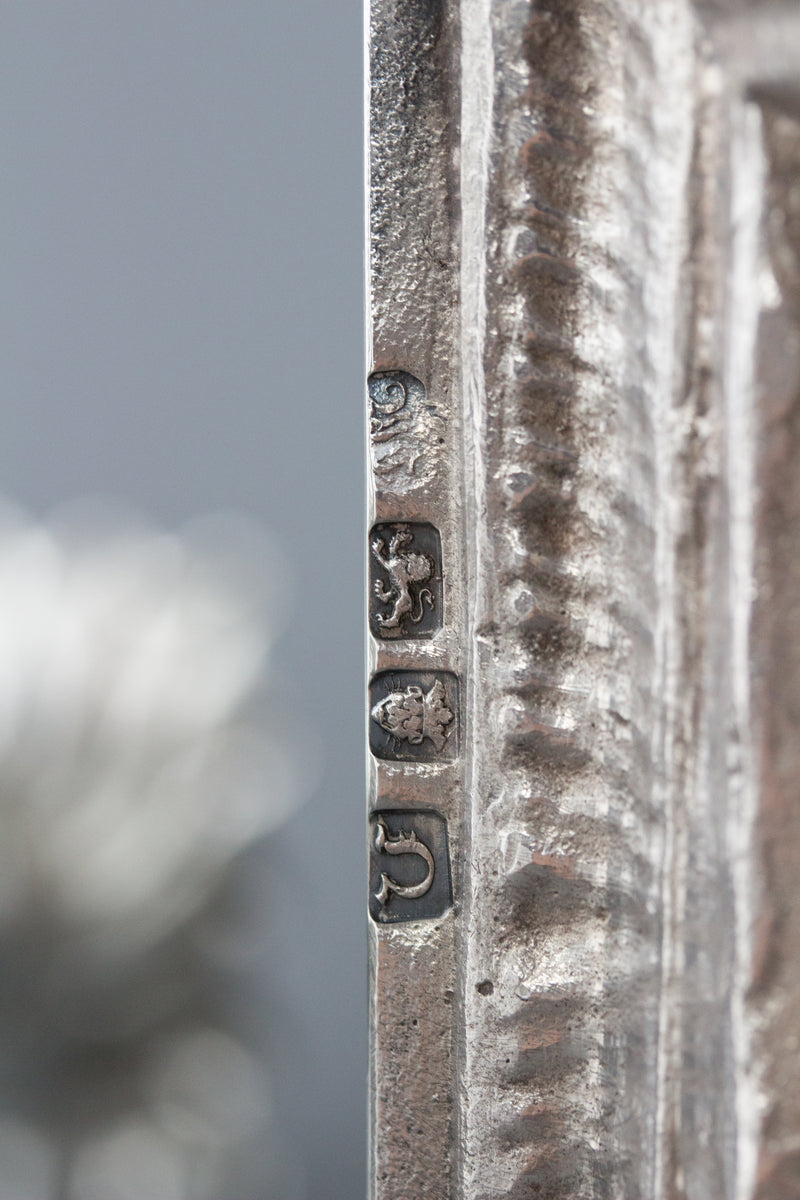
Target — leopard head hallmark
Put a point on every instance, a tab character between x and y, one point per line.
413	715
388	394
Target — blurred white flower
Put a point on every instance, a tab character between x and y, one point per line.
138	757
129	774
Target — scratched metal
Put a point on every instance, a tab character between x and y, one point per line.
585	250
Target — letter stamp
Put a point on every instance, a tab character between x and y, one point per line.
409	877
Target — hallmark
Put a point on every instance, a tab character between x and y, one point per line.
402	843
388	397
414	715
405	571
418	883
406	432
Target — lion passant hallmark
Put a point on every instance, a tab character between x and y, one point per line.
405	580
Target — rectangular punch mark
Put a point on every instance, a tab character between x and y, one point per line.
409	877
414	716
406	593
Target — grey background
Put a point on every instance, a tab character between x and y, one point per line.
182	299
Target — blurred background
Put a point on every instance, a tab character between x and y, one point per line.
182	930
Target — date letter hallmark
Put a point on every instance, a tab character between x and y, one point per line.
417	840
402	843
406	598
414	715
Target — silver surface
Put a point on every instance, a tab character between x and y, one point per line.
585	248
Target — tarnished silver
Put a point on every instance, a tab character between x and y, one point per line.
403	843
584	376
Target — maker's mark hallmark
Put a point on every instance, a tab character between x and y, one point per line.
406	577
388	396
402	843
411	716
406	431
